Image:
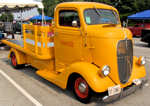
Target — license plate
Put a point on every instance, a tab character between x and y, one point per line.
114	90
137	81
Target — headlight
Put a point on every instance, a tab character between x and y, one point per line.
105	70
141	60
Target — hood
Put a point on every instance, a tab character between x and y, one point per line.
109	31
104	42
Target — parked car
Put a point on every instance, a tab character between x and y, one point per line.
137	29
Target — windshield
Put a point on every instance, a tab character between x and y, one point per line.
100	16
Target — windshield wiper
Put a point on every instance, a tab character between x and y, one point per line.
97	11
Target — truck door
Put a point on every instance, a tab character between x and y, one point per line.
67	39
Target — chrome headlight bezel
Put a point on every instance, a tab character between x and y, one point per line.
141	60
105	70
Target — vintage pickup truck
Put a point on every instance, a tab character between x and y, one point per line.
86	49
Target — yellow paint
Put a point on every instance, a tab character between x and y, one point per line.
75	50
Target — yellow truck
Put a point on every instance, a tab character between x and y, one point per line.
86	49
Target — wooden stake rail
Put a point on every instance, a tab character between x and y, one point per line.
36	40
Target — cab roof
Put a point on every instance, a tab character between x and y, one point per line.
85	5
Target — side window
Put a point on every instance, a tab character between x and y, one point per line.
66	17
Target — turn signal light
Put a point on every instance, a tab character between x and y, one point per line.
141	61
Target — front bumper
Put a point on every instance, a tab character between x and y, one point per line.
124	92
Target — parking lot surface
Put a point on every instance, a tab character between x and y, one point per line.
32	90
10	96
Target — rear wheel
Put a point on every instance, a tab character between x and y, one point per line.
82	90
14	61
149	44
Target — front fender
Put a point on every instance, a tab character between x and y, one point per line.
90	73
138	71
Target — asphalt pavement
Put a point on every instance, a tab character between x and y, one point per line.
24	88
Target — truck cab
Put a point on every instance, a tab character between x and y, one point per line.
90	52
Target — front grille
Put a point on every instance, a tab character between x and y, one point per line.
125	59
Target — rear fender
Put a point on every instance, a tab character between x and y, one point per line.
19	56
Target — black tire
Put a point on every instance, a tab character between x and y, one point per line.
14	61
84	97
149	44
146	38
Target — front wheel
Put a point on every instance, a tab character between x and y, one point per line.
82	90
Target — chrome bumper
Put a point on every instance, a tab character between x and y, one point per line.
125	92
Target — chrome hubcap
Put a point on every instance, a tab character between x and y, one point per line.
82	87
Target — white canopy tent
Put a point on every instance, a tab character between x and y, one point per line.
11	4
20	5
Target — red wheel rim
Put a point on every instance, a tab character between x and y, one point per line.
84	94
13	59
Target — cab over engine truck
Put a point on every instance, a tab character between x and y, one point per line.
86	49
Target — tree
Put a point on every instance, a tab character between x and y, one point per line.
49	5
125	7
6	17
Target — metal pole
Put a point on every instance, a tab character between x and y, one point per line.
127	22
21	23
42	16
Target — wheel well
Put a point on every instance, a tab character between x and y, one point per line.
71	79
11	53
20	56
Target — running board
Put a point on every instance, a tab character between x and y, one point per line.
46	73
52	76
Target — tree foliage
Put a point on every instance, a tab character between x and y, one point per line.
125	7
6	17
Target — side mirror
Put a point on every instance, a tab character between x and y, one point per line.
74	23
